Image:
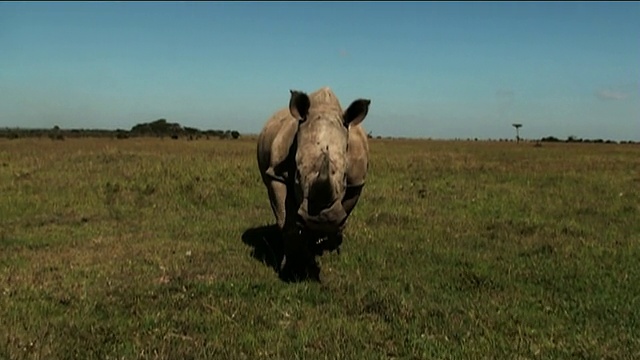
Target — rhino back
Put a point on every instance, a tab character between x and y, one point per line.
358	154
267	136
325	100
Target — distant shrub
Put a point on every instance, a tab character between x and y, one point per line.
550	139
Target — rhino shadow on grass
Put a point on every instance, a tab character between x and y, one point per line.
268	249
266	242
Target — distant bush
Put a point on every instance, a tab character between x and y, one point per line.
549	139
162	127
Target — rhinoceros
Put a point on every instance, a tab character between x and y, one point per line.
313	159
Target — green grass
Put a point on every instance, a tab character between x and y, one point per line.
133	249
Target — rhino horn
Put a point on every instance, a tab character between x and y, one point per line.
325	168
321	192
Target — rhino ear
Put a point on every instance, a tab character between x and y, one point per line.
281	147
356	112
299	104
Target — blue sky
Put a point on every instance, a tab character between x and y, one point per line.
431	69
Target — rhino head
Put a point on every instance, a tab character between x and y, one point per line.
321	157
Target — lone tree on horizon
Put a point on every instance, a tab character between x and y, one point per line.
517	126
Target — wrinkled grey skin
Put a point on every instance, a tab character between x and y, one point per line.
313	159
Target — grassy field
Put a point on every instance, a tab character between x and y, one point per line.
156	249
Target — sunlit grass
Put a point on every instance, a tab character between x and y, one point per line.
134	249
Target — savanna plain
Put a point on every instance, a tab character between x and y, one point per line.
147	248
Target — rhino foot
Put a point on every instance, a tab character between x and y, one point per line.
296	271
299	262
328	243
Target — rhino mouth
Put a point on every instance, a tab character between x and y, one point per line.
328	220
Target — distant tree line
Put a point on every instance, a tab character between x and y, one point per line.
160	128
574	139
570	139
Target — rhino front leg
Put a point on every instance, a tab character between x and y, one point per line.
277	197
277	191
299	261
351	197
332	242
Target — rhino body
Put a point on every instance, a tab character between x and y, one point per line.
313	160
